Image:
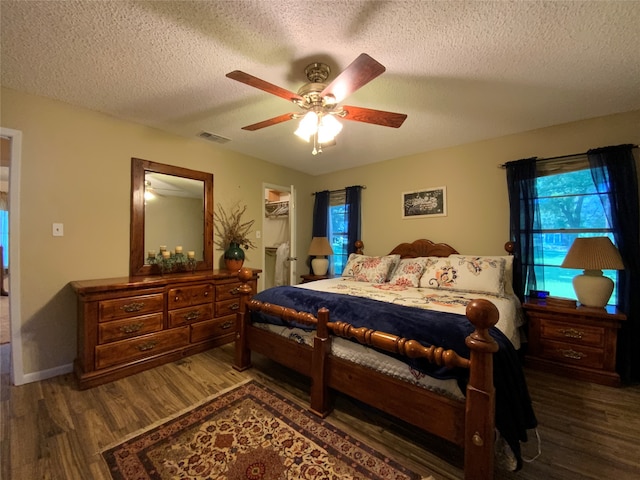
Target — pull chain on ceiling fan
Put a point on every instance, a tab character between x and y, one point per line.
319	101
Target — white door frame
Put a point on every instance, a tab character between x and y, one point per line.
293	275
15	315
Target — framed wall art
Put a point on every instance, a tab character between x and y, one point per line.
428	202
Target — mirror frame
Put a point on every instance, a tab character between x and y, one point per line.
139	167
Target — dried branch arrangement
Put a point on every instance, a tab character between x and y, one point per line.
231	229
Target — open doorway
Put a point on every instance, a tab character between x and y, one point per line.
278	236
5	164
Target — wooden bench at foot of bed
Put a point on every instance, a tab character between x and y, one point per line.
469	423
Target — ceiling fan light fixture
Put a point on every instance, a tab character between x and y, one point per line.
328	128
308	126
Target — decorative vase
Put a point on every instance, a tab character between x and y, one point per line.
234	257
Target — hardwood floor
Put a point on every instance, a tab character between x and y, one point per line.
51	430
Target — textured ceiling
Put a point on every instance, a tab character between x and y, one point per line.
461	71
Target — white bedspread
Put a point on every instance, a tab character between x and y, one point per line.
509	322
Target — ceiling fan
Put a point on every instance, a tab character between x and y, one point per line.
319	101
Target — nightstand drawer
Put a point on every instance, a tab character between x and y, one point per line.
573	354
573	333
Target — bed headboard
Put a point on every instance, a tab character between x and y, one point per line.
423	248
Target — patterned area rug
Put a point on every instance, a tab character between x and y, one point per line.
253	433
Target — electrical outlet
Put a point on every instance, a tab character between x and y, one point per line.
258	234
58	230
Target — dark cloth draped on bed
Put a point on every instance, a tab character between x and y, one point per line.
514	412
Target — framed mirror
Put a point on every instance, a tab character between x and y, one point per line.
170	207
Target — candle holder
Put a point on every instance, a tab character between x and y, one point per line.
175	262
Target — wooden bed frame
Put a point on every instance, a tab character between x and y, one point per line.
468	423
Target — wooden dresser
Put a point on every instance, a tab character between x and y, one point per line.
130	324
576	342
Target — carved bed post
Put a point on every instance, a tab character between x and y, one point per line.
480	399
320	399
243	354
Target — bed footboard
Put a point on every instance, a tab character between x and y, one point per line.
479	407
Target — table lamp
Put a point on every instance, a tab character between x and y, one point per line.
320	248
593	254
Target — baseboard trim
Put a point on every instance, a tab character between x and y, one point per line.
45	374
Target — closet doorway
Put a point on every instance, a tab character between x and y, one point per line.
278	236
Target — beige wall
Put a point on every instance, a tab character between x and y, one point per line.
478	216
76	170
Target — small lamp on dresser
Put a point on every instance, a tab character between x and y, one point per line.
593	254
320	248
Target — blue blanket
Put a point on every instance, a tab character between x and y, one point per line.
514	412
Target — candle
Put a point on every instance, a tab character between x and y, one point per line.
152	254
163	248
178	249
165	254
191	254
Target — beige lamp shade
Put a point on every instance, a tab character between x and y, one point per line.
320	247
593	254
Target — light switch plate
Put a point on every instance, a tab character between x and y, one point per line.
58	230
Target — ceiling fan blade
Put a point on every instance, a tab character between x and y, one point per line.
378	117
268	123
264	85
360	72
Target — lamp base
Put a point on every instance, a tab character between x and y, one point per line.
320	265
593	289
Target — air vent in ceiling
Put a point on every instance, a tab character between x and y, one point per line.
212	137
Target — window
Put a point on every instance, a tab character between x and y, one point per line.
338	228
569	207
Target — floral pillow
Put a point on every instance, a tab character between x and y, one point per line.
465	273
364	268
408	272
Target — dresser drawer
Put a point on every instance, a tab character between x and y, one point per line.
184	316
213	328
572	333
130	306
129	327
228	307
228	291
187	296
573	354
118	353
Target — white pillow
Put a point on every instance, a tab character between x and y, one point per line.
466	273
364	268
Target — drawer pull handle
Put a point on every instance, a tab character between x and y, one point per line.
132	307
147	346
235	291
572	333
176	299
134	327
206	294
226	325
235	306
192	315
570	353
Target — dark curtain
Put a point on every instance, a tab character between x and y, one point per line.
524	219
321	214
614	171
352	201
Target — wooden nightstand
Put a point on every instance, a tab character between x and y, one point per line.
310	277
576	342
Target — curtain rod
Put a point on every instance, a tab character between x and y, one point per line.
559	157
364	187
